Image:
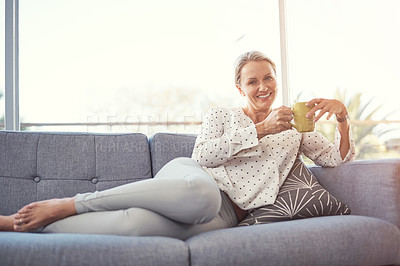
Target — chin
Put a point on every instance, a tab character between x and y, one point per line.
267	104
264	107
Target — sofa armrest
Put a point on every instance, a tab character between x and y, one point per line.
368	187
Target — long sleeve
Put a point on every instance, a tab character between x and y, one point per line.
248	170
215	145
323	152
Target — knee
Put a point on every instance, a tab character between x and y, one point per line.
183	163
179	168
137	222
205	197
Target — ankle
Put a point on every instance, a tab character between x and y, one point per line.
72	206
69	206
7	223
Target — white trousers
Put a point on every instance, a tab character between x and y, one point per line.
180	201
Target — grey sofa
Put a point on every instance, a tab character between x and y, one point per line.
37	166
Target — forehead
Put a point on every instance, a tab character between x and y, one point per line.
256	68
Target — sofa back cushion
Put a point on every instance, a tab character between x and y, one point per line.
37	166
167	146
369	187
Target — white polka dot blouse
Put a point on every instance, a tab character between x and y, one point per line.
250	171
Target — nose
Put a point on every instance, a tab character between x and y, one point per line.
263	86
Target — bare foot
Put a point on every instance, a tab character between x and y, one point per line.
7	223
42	213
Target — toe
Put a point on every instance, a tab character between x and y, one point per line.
20	227
17	228
25	227
22	216
22	211
27	208
19	220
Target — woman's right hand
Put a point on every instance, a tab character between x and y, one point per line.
276	122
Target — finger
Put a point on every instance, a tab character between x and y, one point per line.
287	111
282	124
315	107
284	117
282	109
288	126
320	114
314	101
320	106
312	111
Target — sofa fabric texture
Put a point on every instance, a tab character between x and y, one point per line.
41	166
36	166
370	187
80	249
333	240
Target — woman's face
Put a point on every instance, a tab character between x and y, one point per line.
258	85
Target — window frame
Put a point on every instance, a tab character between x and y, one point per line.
11	91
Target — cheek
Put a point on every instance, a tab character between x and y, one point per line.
274	84
250	90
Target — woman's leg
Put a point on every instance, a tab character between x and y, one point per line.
140	222
181	191
7	222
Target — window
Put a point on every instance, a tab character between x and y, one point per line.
150	66
350	47
137	63
2	64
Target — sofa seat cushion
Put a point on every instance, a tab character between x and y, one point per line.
328	240
80	249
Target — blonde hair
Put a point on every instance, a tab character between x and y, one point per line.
249	57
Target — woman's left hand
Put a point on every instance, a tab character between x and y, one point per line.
332	107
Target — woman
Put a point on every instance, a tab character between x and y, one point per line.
232	148
250	151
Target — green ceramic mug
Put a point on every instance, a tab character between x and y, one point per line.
301	122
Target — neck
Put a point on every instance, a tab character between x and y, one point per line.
256	115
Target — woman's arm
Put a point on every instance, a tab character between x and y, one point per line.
334	107
344	130
221	138
324	153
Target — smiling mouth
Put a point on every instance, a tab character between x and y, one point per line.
264	96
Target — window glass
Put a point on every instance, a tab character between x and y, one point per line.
349	50
2	64
136	62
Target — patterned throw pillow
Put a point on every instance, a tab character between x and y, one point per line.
301	196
